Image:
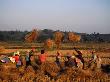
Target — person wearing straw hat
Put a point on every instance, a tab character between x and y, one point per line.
17	59
99	62
93	59
58	58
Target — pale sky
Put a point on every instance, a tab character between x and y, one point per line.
85	16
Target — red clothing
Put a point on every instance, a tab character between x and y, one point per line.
42	57
16	58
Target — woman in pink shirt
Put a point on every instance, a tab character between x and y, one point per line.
42	57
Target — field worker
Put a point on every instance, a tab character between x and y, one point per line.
42	57
4	59
79	56
33	63
58	58
99	61
94	57
79	63
27	58
32	52
70	61
17	59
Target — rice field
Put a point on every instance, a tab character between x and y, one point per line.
49	71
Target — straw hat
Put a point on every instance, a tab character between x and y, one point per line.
18	53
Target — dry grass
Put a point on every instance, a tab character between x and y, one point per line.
50	72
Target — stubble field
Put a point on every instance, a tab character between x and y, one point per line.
50	72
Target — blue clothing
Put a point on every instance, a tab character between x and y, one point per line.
27	58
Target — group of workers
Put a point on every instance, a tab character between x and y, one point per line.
78	61
70	60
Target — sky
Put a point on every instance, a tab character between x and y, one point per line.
85	16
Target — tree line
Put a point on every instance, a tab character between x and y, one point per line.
49	34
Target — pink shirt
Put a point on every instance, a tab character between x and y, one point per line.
42	57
